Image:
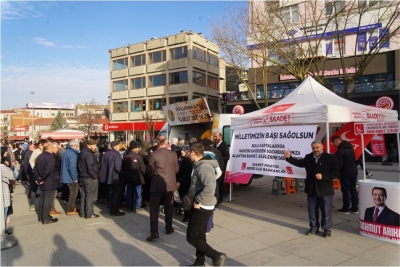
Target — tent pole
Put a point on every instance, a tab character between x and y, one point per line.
363	155
328	143
398	146
230	192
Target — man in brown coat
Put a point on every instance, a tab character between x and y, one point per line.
161	170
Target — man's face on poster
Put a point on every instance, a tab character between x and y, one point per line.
379	197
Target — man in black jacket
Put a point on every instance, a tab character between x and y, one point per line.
134	170
220	144
321	169
348	174
88	169
46	178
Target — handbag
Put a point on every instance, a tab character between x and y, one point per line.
187	200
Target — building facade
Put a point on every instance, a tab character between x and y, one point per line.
159	72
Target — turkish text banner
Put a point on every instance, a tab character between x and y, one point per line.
260	150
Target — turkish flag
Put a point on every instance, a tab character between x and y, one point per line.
346	132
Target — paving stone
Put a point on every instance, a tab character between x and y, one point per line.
325	257
357	261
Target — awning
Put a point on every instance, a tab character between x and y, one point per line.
18	138
62	135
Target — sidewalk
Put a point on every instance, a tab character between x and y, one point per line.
256	228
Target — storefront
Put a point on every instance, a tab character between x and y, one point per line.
131	130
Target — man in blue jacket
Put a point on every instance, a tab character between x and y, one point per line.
46	178
69	174
111	164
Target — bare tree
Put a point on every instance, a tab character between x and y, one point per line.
263	34
150	119
89	112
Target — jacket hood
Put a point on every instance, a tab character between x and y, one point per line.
146	145
208	159
345	144
71	148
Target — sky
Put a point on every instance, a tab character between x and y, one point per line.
59	49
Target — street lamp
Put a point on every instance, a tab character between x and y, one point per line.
33	126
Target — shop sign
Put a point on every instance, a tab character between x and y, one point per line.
325	73
20	128
188	112
238	109
384	102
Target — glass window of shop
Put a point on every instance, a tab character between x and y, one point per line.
212	104
139	83
157	80
177	99
158	56
119	107
374	83
213	82
178	52
276	90
178	77
121	85
199	78
198	54
156	104
139	60
138	105
120	64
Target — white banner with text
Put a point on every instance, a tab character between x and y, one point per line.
260	150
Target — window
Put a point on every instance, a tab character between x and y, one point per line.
363	4
158	56
139	105
178	77
199	78
156	104
335	47
212	60
213	82
290	14
179	52
198	54
157	80
212	104
138	83
333	7
177	99
119	107
121	85
120	64
139	60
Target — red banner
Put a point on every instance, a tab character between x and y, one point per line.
346	132
378	145
380	230
24	128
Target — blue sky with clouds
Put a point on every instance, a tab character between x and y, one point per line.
60	49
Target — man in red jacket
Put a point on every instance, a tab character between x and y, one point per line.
162	169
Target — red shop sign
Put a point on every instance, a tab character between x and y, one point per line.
129	126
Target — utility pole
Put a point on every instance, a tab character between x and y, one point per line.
33	125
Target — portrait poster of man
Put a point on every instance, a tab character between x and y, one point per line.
379	210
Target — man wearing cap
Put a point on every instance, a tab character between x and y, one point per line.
111	164
69	174
162	169
88	168
321	169
134	171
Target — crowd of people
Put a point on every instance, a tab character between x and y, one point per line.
120	175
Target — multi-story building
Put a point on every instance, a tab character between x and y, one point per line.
158	72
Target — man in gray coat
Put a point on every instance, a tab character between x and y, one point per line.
161	170
203	184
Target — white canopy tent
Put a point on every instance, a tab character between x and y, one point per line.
312	103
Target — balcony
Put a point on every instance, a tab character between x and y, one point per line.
119	95
155	67
137	70
178	63
119	73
